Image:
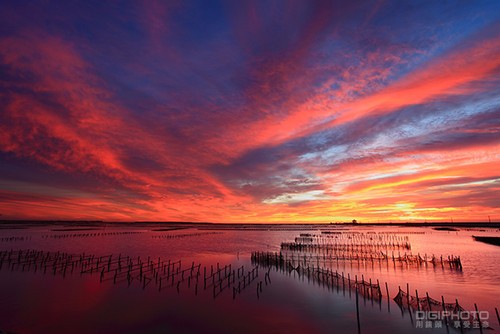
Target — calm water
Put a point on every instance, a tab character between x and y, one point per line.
37	302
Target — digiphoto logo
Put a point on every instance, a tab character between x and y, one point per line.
462	319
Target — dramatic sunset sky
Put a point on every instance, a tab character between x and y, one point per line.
250	111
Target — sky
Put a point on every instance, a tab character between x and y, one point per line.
250	111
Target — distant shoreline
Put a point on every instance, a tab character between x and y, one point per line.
242	225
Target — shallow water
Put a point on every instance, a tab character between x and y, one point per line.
34	302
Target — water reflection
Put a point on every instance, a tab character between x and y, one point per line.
222	290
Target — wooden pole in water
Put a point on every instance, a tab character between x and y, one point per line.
428	301
498	317
408	294
418	301
444	309
357	312
478	320
459	318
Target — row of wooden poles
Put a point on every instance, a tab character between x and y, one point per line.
162	273
372	232
101	234
223	278
451	311
183	235
307	254
87	235
357	236
309	246
351	244
15	238
397	232
368	289
343	235
335	253
323	277
317	274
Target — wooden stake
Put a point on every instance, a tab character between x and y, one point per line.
478	319
444	309
408	294
357	312
418	301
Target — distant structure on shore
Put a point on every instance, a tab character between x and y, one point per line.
354	221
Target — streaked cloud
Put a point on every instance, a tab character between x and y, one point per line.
252	111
